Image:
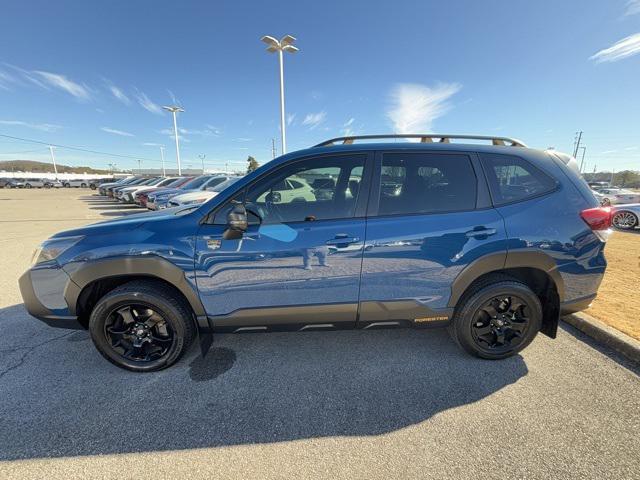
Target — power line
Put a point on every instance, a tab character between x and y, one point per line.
80	149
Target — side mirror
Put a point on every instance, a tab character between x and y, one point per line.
274	197
236	223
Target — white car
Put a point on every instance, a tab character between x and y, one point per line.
200	196
625	217
617	196
75	183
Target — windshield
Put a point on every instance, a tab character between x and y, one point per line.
221	186
196	182
166	181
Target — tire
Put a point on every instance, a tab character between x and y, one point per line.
27	185
113	337
47	185
471	318
66	185
92	186
83	185
624	220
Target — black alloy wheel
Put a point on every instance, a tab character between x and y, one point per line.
496	318
138	333
500	324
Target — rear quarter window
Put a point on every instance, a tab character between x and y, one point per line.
513	179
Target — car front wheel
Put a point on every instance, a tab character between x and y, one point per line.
497	318
142	326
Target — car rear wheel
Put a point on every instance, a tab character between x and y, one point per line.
497	318
83	185
27	185
624	220
142	326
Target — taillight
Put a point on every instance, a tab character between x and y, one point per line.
598	219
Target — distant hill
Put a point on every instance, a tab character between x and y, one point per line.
43	167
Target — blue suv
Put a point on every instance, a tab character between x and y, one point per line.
493	241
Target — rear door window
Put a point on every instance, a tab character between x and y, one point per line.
422	183
513	179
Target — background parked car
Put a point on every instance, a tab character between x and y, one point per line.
15	183
35	182
625	217
75	183
53	184
159	199
94	184
617	196
200	196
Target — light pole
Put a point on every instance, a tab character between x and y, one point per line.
164	174
53	159
175	109
284	45
202	156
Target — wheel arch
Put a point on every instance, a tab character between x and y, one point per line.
94	279
534	268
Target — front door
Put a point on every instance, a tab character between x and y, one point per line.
298	265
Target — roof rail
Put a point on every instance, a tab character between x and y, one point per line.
424	138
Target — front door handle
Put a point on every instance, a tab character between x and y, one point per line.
481	232
342	239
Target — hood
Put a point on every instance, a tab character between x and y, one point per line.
129	222
166	191
186	197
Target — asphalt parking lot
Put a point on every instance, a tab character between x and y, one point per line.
361	404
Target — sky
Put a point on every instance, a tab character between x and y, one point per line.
95	75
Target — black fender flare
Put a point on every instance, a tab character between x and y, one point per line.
530	258
149	266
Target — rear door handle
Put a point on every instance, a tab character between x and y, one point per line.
481	232
342	239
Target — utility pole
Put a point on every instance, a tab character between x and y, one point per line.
202	156
139	166
584	149
273	148
164	174
613	172
53	159
577	143
226	167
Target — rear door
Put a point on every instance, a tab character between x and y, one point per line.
429	217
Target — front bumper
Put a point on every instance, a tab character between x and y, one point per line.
35	305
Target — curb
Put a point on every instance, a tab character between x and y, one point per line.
602	333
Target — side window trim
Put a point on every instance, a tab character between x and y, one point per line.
375	184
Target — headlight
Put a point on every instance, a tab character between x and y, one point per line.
53	248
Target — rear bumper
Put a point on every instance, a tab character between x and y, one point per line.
36	308
576	305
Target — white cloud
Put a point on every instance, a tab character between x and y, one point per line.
290	118
43	127
5	80
152	144
312	120
622	49
55	80
633	7
215	130
243	139
119	94
414	106
146	103
117	132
